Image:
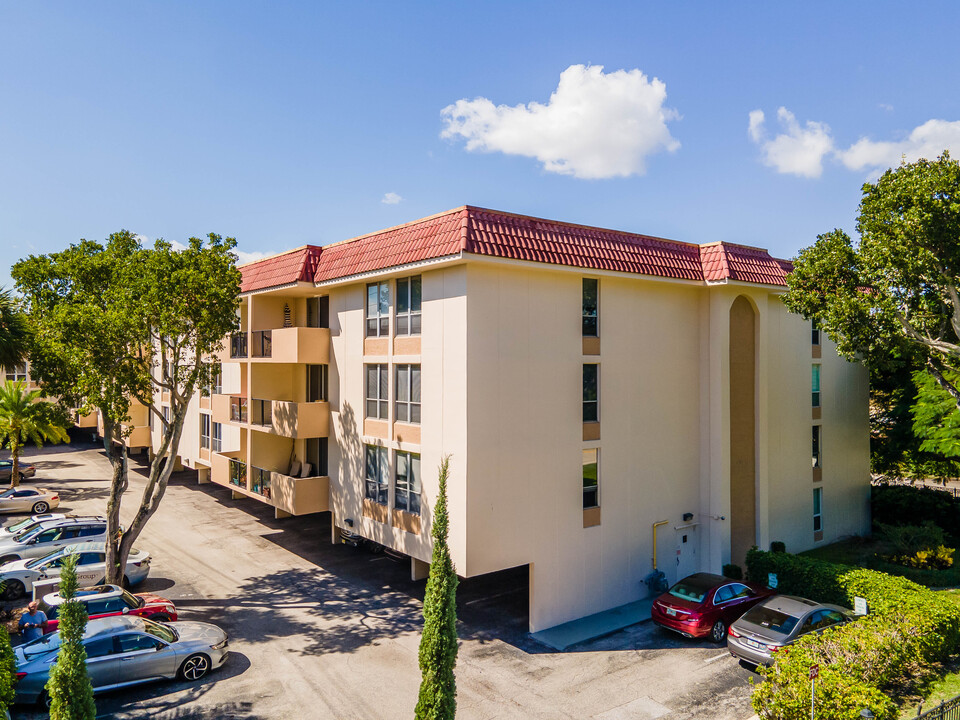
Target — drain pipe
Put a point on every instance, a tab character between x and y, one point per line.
655	526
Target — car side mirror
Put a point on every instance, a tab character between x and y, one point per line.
125	611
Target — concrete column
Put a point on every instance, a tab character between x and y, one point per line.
418	569
203	476
280	514
236	495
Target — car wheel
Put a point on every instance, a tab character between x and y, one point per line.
40	507
44	700
9	558
126	583
159	617
718	633
13	589
195	667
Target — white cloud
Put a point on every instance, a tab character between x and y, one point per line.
796	150
177	246
247	257
595	125
926	141
391	198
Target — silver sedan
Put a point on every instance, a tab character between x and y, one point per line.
125	650
31	500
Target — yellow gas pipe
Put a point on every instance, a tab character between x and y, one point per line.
655	526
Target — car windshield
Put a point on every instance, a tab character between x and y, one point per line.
41	646
164	632
692	589
17	527
771	619
8	493
31	564
28	534
132	600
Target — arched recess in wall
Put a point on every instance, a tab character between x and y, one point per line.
743	428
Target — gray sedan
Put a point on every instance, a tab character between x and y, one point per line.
766	628
124	650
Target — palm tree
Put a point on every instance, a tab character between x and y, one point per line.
25	417
14	331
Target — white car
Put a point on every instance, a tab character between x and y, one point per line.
17	578
49	535
31	521
31	500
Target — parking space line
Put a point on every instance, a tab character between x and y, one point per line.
721	656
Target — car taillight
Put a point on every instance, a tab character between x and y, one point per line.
138	564
55	497
21	676
733	633
693	616
774	648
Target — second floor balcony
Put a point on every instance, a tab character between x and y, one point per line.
306	345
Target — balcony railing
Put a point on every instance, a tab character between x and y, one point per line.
238	473
261	482
238	345
238	409
262	413
262	342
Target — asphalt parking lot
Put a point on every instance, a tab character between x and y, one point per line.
329	631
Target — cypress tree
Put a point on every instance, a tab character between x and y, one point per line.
438	644
71	694
8	672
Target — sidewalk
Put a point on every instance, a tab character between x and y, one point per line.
591	627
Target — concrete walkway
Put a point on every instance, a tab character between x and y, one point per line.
591	627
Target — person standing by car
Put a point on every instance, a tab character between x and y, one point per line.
31	622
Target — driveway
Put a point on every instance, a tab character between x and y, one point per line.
329	631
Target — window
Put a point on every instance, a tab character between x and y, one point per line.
407	489
378	474
816	446
131	643
17	373
166	414
591	403
204	431
316	455
216	380
378	309
591	479
318	312
815	331
816	385
100	647
817	514
216	441
591	296
317	378
408	393
723	594
378	391
408	306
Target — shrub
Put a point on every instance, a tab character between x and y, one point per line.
71	694
732	571
904	504
8	671
938	558
872	662
909	539
778	547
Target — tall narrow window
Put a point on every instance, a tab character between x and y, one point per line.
591	299
166	414
378	309
317	383
378	393
216	441
318	312
408	393
815	331
816	446
316	456
408	306
591	479
817	509
591	400
204	431
407	488
378	473
816	385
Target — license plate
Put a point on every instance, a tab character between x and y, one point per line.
671	612
753	644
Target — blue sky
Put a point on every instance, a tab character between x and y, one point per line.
287	123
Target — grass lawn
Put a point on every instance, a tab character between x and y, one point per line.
864	552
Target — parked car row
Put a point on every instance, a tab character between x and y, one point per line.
130	639
6	470
32	500
753	619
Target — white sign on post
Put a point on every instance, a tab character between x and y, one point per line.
860	605
772	580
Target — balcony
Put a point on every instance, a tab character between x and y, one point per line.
292	419
238	345
238	473
238	409
292	495
261	344
302	345
139	436
261	413
261	482
86	421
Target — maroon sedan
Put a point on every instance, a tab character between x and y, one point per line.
705	605
106	600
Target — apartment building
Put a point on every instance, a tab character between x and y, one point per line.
611	403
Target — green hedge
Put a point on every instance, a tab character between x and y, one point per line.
874	661
913	505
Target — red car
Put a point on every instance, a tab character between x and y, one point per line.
704	605
106	600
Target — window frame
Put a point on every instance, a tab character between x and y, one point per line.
216	436
377	486
594	487
205	425
814	331
377	323
413	480
588	404
409	322
815	384
586	317
381	398
818	509
405	409
18	373
817	446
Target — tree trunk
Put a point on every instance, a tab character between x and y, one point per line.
117	454
15	458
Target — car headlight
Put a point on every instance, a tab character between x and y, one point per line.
220	645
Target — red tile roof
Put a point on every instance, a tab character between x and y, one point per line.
298	265
488	232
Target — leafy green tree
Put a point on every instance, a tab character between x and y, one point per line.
8	672
14	331
71	695
893	298
120	322
24	418
438	644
